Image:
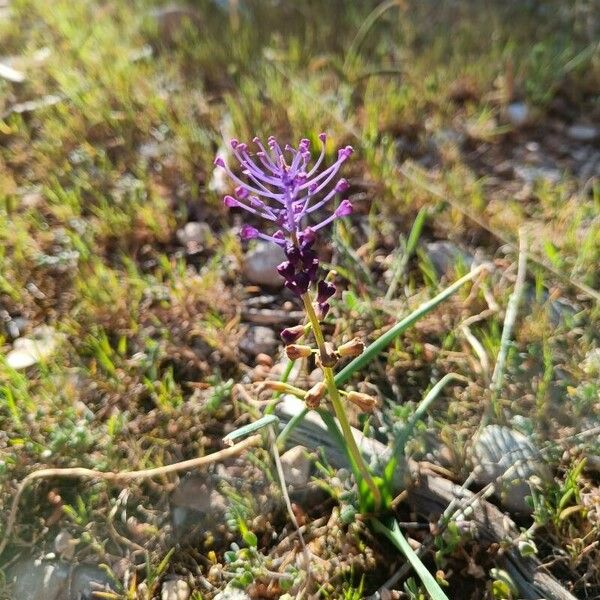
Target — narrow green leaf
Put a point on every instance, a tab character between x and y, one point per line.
392	531
423	407
389	336
291	425
403	257
251	428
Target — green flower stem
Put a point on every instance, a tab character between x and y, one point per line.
338	407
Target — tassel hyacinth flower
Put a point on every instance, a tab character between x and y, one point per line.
285	188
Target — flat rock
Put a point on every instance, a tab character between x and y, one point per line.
533	173
259	340
312	432
231	593
196	506
444	255
296	466
583	133
510	460
260	265
32	579
28	351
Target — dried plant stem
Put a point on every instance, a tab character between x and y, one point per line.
338	407
119	477
288	505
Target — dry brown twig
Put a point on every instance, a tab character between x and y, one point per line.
120	477
288	504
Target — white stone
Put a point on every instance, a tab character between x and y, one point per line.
259	340
28	351
518	114
176	589
7	72
583	133
231	593
296	466
194	233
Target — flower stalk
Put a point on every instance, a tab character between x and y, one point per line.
338	407
286	187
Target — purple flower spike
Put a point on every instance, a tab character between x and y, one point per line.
285	184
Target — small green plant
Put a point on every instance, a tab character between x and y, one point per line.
557	504
284	189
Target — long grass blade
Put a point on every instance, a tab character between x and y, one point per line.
391	530
250	428
423	407
404	257
389	336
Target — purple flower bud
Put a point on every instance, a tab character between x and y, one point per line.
346	152
323	137
307	238
298	283
311	270
341	186
286	269
322	310
248	232
256	202
234	143
324	291
230	202
242	147
308	257
293	254
241	192
279	235
292	334
219	162
344	209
